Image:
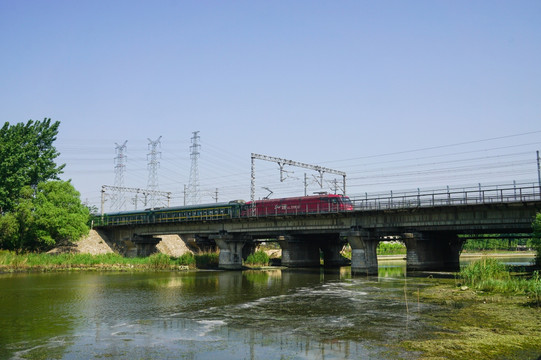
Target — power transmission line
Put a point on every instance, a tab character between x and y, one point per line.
145	192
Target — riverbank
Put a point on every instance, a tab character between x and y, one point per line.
477	325
33	262
490	311
472	255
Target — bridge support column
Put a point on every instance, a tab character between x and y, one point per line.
364	258
145	245
332	246
230	251
432	251
298	252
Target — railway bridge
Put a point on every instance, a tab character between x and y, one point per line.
430	225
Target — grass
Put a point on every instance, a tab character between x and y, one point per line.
258	258
391	248
496	316
9	261
490	275
384	248
478	327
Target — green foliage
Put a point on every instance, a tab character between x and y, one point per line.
207	260
159	261
187	259
27	158
42	217
17	227
43	261
493	242
60	215
491	275
391	248
479	272
536	239
35	212
258	258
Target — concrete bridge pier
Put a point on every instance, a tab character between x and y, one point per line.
432	251
298	251
230	250
364	257
331	247
145	244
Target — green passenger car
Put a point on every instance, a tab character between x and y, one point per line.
203	212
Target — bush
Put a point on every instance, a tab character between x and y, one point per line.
536	240
159	261
207	260
391	248
258	258
187	259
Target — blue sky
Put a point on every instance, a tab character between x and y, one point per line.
398	94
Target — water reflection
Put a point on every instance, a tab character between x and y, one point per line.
282	313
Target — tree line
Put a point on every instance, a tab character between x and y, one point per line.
496	242
37	209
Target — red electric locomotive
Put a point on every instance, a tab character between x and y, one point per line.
299	205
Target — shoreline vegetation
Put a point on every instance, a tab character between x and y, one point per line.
491	311
12	262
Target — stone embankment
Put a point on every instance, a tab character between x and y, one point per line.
96	243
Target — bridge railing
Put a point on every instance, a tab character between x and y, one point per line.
449	197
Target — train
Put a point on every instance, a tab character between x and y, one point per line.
314	204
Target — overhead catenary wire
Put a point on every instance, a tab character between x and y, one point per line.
228	170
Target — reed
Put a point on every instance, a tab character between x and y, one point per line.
484	271
159	261
43	261
259	258
492	276
208	260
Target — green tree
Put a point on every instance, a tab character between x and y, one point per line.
16	227
59	213
536	240
42	217
27	157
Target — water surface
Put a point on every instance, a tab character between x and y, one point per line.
275	314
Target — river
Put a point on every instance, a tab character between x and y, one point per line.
270	314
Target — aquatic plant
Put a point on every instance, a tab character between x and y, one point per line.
207	260
491	275
483	271
258	258
42	261
159	261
